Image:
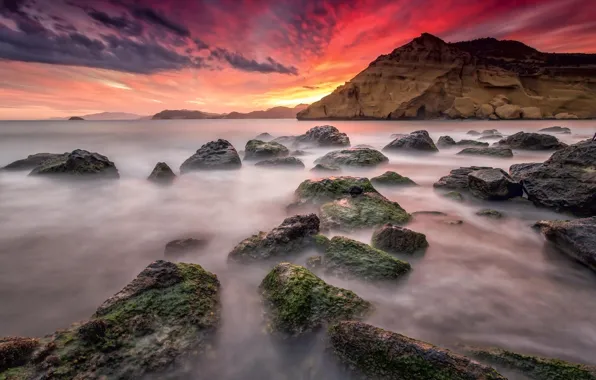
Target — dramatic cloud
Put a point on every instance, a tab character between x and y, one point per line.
149	15
240	62
120	23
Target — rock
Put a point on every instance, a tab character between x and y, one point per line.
555	129
493	117
363	211
485	111
374	353
32	161
294	235
415	141
454	222
491	137
261	150
298	153
390	178
79	163
489	213
462	108
264	137
490	132
282	162
347	258
565	116
445	142
457	178
181	247
492	151
15	352
75	118
325	168
471	143
473	133
170	311
434	213
575	238
566	182
319	191
508	112
323	136
395	239
493	184
215	155
533	367
397	135
358	157
531	141
285	140
499	101
454	196
531	113
162	174
297	302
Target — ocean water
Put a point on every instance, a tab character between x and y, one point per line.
66	247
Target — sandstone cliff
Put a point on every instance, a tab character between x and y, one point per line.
486	78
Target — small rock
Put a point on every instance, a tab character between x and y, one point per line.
489	213
435	213
162	174
264	137
485	111
472	143
261	150
390	178
282	162
445	142
215	155
316	192
473	133
357	157
531	141
493	184
454	222
325	168
555	129
395	239
454	196
491	151
181	247
457	178
298	153
415	141
323	136
509	112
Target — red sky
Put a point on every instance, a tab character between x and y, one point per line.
74	57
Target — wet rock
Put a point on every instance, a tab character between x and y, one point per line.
294	235
32	161
363	211
15	352
519	171
390	178
375	353
356	157
491	137
472	143
434	213
78	164
325	168
508	112
285	140
297	302
455	222
489	213
473	133
179	304
397	135
491	151
531	141
457	178
264	137
282	162
415	141
445	142
261	150
215	155
319	191
575	238
323	136
493	184
181	247
162	174
454	196
555	129
395	239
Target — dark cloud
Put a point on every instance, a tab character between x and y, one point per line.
310	87
13	6
151	16
240	62
121	23
201	45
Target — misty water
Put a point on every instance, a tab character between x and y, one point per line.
66	247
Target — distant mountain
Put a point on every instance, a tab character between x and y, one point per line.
184	114
271	113
105	116
76	118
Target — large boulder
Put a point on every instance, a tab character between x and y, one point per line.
531	113
261	150
457	178
294	235
282	163
575	238
358	157
445	142
395	239
566	182
462	108
323	136
508	112
315	192
375	353
162	174
347	258
215	155
531	141
78	164
297	302
555	129
493	184
170	311
390	178
32	161
484	111
489	151
419	141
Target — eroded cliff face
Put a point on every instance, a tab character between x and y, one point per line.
429	78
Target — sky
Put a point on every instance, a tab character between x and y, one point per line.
74	57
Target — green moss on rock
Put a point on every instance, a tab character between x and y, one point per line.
319	191
261	150
489	213
390	178
355	157
297	301
454	196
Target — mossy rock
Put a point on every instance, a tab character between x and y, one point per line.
347	258
454	196
316	192
355	157
395	239
297	302
390	178
374	353
261	150
534	367
77	164
169	311
489	213
361	211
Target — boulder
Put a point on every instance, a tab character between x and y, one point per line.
531	141
496	136
489	213
361	211
457	178
531	113
215	155
445	142
484	111
358	157
462	108
575	238
264	137
490	132
508	112
282	162
493	184
390	178
325	168
374	353
492	151
78	164
416	141
261	150
319	191
471	143
323	136
347	258
284	140
32	161
297	302
499	100
294	235
473	133
555	129
454	196
565	116
397	135
395	239
181	247
162	174
519	171
169	312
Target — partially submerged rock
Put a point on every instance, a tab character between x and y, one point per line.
282	162
390	178
531	141
555	129
575	238
32	161
375	353
445	142
316	192
358	157
473	133
493	184
298	153
181	247
471	143
261	150
457	178
492	151
294	235
297	302
162	174
454	196
264	137
490	213
78	164
168	312
215	155
416	141
325	168
323	136
395	239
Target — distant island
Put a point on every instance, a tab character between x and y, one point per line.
104	116
271	113
76	118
